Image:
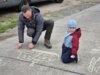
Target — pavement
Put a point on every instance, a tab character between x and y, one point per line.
43	61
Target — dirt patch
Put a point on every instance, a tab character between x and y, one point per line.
6	36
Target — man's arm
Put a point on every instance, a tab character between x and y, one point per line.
39	28
21	27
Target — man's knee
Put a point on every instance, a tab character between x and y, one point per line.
51	23
30	32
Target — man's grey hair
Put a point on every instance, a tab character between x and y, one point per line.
25	8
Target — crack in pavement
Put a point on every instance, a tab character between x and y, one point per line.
53	67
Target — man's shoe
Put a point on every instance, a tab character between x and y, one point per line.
47	44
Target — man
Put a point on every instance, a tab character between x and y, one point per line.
32	19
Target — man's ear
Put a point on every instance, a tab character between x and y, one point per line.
24	14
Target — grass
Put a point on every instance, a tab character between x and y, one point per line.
7	25
7	22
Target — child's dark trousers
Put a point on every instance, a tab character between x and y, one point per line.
66	55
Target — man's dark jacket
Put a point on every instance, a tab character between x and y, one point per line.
36	23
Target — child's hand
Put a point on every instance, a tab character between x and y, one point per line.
72	56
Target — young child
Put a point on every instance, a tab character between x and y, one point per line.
71	43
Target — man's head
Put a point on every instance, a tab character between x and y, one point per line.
27	11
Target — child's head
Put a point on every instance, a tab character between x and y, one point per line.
72	25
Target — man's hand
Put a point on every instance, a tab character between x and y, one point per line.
31	45
20	45
72	56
